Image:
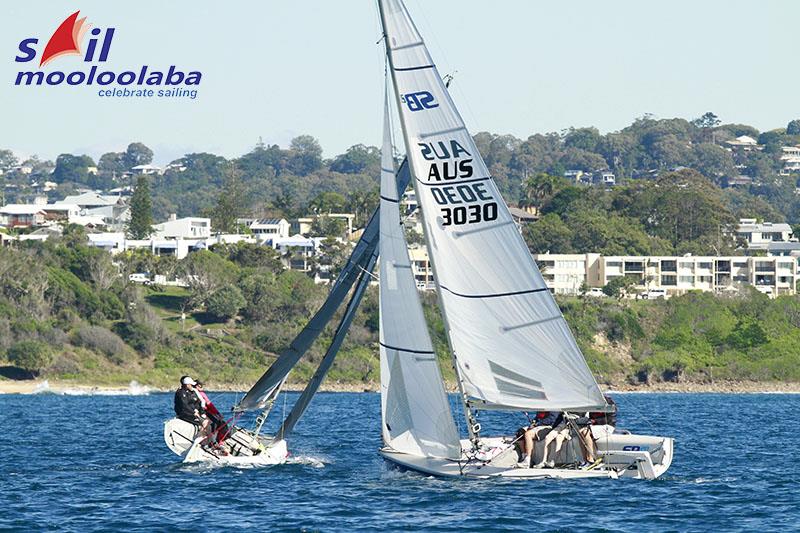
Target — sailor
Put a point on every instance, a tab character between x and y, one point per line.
217	421
554	441
592	426
187	404
540	426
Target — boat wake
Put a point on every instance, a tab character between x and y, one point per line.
307	460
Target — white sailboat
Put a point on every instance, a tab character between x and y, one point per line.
511	347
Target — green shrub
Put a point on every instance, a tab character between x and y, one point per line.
33	356
225	303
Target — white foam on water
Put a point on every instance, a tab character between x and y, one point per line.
316	462
42	388
134	389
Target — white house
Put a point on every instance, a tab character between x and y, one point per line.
146	169
183	228
267	228
759	233
743	143
297	251
115	217
605	178
91	199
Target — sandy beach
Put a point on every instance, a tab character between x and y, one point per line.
67	387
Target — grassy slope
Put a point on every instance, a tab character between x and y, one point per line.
697	337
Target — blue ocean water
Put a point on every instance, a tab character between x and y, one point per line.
84	463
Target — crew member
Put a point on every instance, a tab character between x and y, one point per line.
187	404
540	426
217	421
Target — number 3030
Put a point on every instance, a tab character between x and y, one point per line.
469	214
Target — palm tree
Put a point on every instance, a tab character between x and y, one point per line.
537	188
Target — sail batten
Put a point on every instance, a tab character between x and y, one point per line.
497	308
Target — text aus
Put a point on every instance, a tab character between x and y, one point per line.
465	203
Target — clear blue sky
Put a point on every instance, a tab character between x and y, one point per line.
277	69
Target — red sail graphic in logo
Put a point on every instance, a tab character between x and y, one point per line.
66	39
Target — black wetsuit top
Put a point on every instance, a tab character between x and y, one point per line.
186	402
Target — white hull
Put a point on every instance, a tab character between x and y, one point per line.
241	447
623	456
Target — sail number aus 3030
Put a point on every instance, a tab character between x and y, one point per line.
470	214
471	203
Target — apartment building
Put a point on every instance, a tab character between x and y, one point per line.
774	276
566	273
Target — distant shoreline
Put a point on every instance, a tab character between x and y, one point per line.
77	388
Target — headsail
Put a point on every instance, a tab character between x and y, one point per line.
414	408
512	346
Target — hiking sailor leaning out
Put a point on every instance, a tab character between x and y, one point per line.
188	406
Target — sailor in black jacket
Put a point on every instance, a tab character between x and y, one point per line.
187	404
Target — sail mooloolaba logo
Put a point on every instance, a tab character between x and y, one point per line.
70	38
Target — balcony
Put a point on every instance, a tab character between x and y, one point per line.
634	266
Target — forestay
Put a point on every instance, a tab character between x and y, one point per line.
415	412
512	346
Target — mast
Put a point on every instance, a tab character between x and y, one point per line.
473	427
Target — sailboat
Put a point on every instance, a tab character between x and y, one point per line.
250	445
511	347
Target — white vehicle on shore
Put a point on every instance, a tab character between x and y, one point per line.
655	294
140	277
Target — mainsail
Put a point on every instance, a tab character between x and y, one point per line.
416	415
512	346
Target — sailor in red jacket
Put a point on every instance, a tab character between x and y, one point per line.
217	421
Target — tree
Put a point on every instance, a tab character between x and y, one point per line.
679	207
137	154
30	355
230	202
582	138
361	204
225	303
7	159
72	168
140	226
327	202
618	287
548	234
793	128
331	257
205	272
357	158
305	155
708	120
251	255
538	188
326	226
112	163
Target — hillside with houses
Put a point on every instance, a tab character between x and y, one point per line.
122	269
